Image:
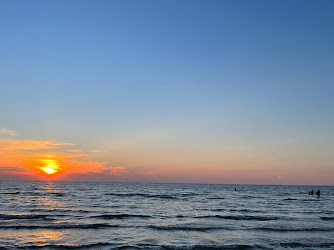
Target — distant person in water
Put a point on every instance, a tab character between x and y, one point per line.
318	193
312	192
235	189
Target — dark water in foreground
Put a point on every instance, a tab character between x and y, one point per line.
164	216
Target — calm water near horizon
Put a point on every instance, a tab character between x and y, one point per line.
164	216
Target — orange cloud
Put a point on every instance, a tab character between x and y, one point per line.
96	151
10	145
47	158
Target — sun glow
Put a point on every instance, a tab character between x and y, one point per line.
49	170
51	166
48	160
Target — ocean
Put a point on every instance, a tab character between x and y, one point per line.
71	215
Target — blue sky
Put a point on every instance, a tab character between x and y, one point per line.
183	77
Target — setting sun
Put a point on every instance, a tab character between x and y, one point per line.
49	170
51	166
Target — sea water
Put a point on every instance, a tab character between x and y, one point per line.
164	216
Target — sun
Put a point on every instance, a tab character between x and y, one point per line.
50	166
49	170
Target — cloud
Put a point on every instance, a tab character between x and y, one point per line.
73	150
5	131
32	157
109	174
116	171
18	145
11	169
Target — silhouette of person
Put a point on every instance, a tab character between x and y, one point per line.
318	192
312	192
235	189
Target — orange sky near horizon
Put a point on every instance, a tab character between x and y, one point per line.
53	161
47	160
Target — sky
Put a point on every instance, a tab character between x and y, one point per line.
167	91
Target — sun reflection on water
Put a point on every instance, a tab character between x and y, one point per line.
48	236
36	238
48	196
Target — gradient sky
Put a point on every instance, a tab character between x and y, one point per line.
167	91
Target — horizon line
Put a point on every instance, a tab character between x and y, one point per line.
189	183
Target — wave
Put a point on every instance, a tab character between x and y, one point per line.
245	210
57	194
327	218
51	210
53	246
120	216
212	247
44	193
312	229
218	209
240	217
185	228
216	198
60	226
60	210
290	199
36	193
162	196
22	216
306	245
188	194
11	192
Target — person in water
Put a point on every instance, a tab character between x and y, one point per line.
318	193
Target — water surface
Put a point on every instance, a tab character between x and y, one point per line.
164	216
